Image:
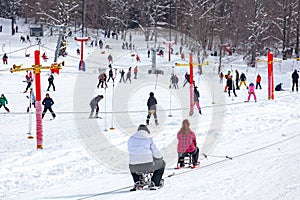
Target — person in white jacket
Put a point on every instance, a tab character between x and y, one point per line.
144	156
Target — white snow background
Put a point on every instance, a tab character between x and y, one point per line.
262	138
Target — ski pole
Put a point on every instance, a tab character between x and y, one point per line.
216	156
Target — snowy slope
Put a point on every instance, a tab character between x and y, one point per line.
85	159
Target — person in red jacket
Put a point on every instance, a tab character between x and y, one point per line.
187	144
258	80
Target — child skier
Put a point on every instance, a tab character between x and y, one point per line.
28	80
251	90
3	101
32	100
196	99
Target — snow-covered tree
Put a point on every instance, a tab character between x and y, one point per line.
258	29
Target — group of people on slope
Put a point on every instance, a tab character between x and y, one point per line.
102	78
295	81
241	80
144	156
47	101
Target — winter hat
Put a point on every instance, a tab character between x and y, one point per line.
151	94
143	127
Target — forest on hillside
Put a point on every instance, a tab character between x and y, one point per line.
250	26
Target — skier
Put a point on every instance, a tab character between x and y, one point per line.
128	75
50	80
237	78
258	80
144	156
251	91
94	105
100	80
103	80
221	75
226	77
295	78
196	99
28	80
100	44
4	59
137	57
243	79
135	71
122	76
230	85
45	57
48	102
3	101
32	99
151	103
187	144
174	81
110	59
187	79
110	75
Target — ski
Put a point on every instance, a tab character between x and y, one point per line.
95	118
170	175
30	136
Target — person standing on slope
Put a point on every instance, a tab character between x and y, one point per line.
237	79
110	75
258	80
196	99
295	78
230	85
243	79
51	83
151	104
48	102
3	101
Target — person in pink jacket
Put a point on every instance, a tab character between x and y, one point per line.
187	144
251	90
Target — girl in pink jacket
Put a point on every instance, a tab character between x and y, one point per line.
251	90
187	144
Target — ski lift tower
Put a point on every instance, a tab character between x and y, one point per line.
81	62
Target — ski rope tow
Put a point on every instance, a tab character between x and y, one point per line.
231	158
119	190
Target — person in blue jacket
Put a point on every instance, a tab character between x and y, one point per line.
48	102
